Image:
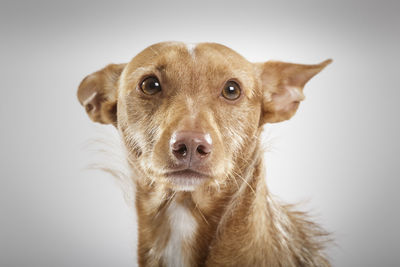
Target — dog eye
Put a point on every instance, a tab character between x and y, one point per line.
150	86
231	90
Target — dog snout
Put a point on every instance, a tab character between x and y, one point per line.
191	147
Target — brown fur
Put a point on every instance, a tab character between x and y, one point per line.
238	221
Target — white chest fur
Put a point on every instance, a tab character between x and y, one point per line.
183	227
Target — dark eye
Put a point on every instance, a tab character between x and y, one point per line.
231	90
150	86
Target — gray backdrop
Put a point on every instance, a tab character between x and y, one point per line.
340	152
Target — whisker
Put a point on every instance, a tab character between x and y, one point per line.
201	214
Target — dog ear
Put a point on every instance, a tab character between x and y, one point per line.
97	93
282	88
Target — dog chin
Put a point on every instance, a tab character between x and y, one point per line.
186	180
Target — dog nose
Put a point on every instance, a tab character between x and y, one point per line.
191	146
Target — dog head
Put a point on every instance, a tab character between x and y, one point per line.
190	114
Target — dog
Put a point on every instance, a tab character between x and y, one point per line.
190	117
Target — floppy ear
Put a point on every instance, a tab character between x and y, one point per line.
97	93
282	88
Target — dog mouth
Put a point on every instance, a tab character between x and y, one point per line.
186	174
186	179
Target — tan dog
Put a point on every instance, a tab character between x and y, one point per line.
190	117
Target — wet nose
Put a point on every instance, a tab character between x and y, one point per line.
190	146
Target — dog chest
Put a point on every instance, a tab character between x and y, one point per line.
183	225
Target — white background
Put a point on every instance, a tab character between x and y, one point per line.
340	152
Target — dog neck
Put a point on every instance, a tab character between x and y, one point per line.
238	224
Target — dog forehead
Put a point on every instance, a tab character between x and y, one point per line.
157	53
203	55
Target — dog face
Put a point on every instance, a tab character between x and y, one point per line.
189	115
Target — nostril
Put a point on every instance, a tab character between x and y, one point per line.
202	150
181	150
89	107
